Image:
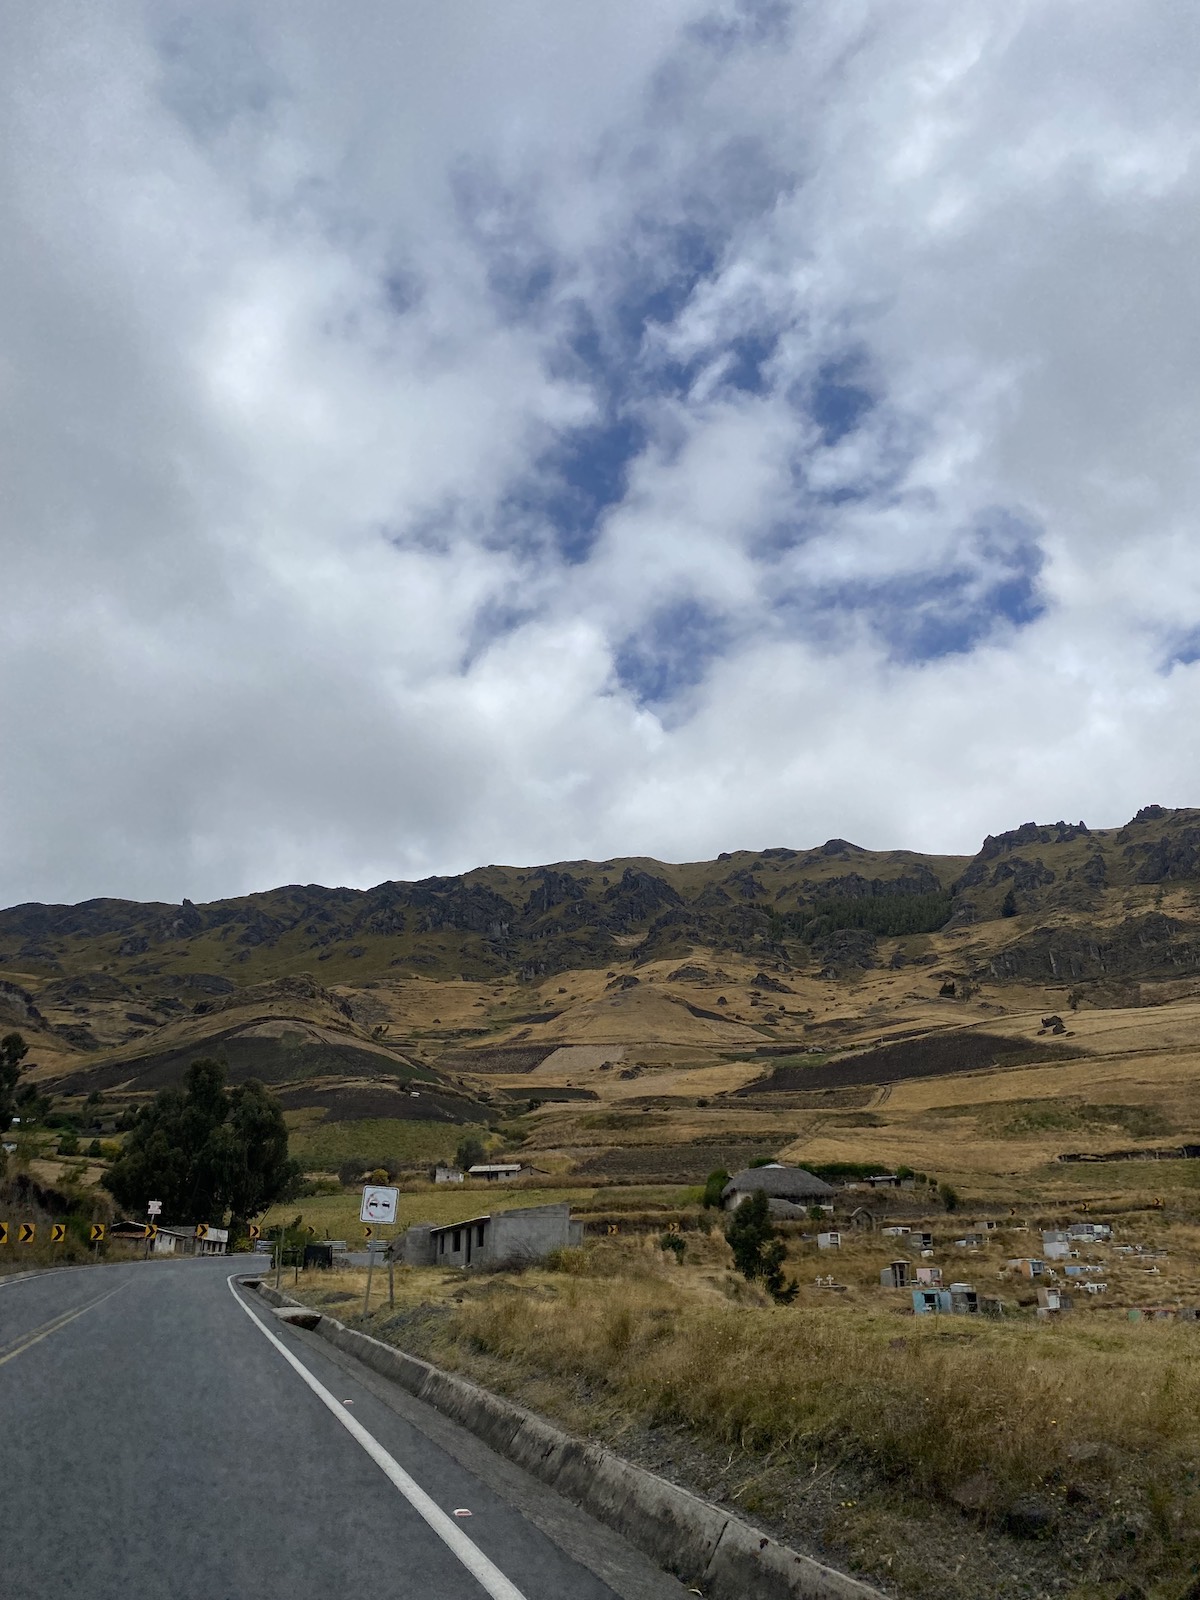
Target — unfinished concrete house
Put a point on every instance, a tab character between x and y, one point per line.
496	1240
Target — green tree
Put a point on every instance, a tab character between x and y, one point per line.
13	1051
758	1253
205	1149
469	1154
714	1188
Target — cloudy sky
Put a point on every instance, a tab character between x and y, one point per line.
434	434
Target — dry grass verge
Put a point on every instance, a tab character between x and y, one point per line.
1072	1447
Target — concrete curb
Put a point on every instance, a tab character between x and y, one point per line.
697	1542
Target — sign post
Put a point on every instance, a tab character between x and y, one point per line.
153	1209
378	1206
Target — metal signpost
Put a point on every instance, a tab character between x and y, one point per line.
378	1207
153	1209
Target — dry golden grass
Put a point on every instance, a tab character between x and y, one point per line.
1091	1416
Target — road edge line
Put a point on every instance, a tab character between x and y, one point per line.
485	1572
685	1535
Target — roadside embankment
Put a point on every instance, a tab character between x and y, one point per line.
698	1542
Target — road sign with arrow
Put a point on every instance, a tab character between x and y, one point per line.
27	1233
3	1232
58	1232
96	1233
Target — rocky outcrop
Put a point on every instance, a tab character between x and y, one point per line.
552	889
638	896
1170	857
846	950
763	980
853	886
17	1006
1140	947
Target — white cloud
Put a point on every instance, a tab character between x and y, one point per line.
293	315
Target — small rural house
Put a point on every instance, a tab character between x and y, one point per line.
182	1241
789	1190
443	1173
495	1171
526	1234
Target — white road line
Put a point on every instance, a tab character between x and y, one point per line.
485	1573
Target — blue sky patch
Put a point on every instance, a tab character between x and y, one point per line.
578	480
926	615
840	398
672	652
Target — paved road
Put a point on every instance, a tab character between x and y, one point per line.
156	1444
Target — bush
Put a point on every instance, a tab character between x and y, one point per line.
68	1145
94	1149
469	1154
569	1259
948	1196
673	1244
714	1187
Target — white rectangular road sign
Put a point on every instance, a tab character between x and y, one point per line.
155	1208
378	1205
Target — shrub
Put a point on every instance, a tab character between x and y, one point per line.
672	1243
714	1187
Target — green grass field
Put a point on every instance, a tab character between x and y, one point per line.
323	1146
337	1214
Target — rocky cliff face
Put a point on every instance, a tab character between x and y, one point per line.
1078	902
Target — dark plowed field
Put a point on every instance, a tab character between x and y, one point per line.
934	1056
499	1058
674	1163
247	1055
354	1102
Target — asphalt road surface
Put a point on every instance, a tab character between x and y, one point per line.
164	1437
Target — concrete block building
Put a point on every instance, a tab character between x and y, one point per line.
495	1240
